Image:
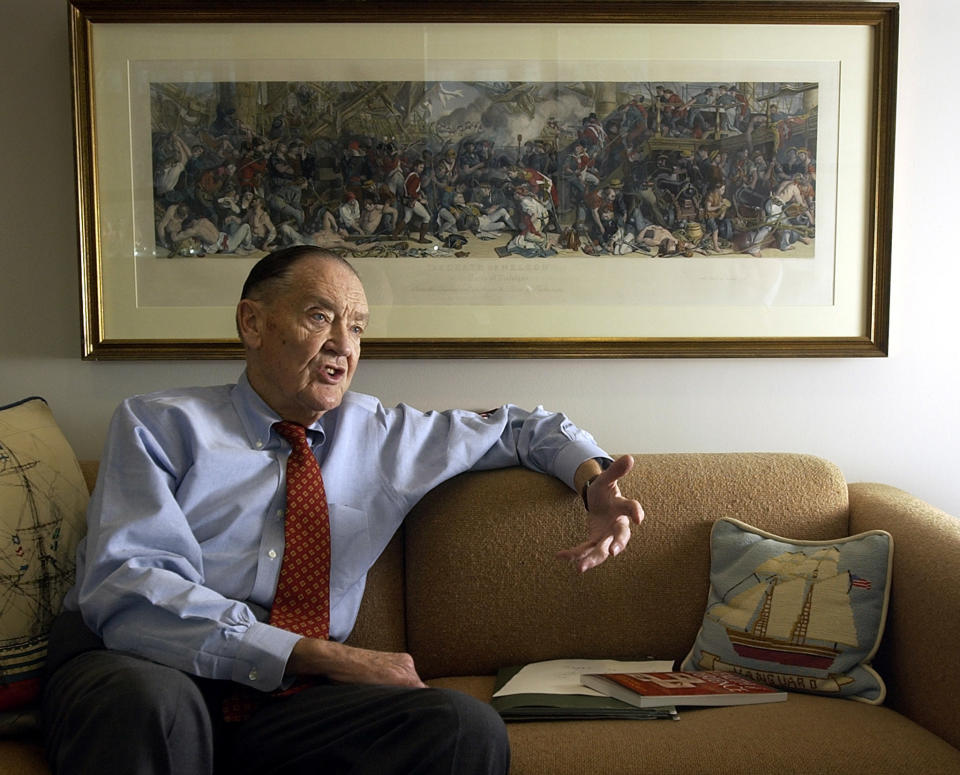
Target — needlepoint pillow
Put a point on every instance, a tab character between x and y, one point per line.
43	498
801	615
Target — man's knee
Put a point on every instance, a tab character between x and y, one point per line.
120	708
470	713
475	728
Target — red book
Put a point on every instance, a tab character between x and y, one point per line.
701	687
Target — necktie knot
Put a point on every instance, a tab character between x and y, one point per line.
296	434
291	431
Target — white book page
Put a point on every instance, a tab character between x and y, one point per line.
562	676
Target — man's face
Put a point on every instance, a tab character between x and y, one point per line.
303	343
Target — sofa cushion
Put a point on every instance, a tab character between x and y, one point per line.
804	615
42	501
806	734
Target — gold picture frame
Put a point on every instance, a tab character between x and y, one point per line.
152	78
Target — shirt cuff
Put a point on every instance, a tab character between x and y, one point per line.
570	458
262	657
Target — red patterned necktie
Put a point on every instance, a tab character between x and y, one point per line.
302	601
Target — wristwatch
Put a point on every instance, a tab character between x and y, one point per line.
604	463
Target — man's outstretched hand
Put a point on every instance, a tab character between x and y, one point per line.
609	515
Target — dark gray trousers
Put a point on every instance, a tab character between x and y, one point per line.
110	712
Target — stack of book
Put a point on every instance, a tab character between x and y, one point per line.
603	689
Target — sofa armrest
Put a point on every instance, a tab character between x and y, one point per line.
916	656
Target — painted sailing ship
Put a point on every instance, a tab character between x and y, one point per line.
794	609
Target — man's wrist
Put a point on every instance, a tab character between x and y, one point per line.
603	464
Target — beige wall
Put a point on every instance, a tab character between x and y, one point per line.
895	420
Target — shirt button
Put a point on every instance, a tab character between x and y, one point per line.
272	554
252	675
259	445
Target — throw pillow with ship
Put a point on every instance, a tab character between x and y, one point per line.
800	615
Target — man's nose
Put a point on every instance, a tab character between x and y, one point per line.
339	340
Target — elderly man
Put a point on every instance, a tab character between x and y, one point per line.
189	650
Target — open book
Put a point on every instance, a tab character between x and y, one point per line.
553	690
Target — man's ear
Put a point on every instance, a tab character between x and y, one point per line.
250	323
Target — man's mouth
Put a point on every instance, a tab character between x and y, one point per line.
333	372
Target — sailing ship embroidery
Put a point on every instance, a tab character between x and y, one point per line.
36	561
794	609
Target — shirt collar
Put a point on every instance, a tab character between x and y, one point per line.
258	418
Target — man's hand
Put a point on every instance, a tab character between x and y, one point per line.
346	664
609	515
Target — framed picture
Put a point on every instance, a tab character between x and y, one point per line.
510	179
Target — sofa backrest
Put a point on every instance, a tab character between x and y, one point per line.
471	584
484	589
89	469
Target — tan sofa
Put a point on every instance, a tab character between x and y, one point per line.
471	584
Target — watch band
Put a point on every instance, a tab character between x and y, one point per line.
583	490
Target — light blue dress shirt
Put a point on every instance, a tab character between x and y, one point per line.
185	527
